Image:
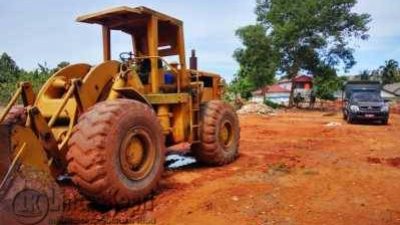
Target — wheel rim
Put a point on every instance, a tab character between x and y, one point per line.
226	134
137	154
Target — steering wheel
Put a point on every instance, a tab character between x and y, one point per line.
126	56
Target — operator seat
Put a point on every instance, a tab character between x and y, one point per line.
145	70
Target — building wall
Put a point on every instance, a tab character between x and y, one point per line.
304	89
387	95
257	99
286	85
300	85
279	98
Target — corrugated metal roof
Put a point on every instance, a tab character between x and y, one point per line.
303	78
276	88
392	88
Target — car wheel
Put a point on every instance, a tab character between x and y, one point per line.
350	119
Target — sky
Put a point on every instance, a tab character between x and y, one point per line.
45	31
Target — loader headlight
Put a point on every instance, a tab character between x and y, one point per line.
354	108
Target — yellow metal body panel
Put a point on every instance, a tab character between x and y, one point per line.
52	97
96	81
51	93
131	93
152	29
162	99
207	94
32	153
180	123
56	95
66	74
163	113
28	96
119	82
133	81
99	17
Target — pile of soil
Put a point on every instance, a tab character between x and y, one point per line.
255	108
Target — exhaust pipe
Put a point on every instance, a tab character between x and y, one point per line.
193	60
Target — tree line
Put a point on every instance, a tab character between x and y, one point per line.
11	75
292	36
388	73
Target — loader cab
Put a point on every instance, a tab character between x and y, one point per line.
154	37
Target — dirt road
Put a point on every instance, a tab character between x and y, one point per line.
294	168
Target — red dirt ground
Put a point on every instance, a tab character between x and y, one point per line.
292	169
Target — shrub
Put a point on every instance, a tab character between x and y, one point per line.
271	104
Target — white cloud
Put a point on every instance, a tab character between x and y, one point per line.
385	16
384	34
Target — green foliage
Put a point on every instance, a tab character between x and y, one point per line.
390	72
367	75
11	75
271	104
241	86
257	59
9	70
386	74
311	33
60	66
327	83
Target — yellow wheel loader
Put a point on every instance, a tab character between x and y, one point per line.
108	126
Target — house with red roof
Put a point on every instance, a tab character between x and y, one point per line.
280	92
302	82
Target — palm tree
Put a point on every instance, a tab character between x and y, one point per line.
390	72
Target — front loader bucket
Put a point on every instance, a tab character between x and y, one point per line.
28	191
5	149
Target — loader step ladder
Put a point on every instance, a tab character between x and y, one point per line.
195	114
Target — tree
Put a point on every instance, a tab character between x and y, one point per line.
257	59
11	75
375	75
60	66
390	72
310	33
9	71
325	86
241	86
365	75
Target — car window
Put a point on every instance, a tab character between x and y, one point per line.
366	97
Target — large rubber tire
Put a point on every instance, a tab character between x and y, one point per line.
212	150
94	156
16	116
